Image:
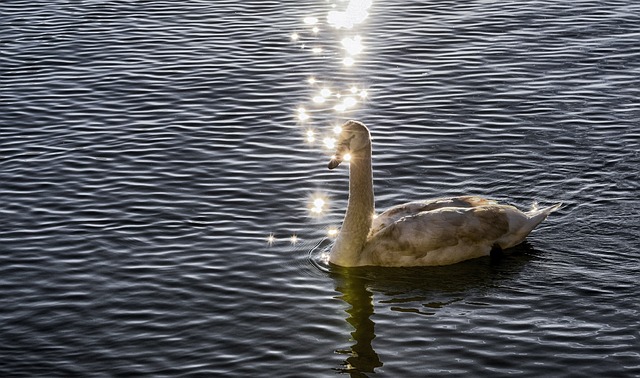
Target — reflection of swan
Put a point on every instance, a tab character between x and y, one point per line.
362	357
436	232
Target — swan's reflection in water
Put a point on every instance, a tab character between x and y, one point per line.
362	357
422	291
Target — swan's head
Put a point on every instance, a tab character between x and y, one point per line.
354	137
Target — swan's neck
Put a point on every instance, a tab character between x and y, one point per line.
360	210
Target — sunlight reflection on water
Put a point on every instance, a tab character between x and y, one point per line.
325	93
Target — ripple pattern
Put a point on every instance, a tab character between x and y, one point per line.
147	151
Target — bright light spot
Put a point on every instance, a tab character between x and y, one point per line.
318	99
311	80
337	129
294	37
271	239
315	30
339	108
374	216
348	61
310	136
316	50
318	204
346	157
330	143
302	114
354	89
349	102
355	13
363	94
310	20
293	239
325	92
332	232
352	45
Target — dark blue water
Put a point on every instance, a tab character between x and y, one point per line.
148	151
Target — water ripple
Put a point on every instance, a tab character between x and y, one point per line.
148	152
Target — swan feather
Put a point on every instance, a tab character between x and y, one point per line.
435	232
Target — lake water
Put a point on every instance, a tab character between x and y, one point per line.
161	161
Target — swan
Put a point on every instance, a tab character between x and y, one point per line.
441	231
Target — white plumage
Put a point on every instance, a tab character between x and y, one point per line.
435	232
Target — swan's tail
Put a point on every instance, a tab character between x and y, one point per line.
521	224
536	215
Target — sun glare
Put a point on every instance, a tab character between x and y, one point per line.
271	239
317	204
330	143
310	20
302	114
349	102
311	137
352	45
355	13
340	93
318	99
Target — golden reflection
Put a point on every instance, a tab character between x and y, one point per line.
346	158
337	129
311	80
332	232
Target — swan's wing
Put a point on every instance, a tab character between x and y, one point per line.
398	212
438	237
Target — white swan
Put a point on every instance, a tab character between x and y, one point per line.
435	232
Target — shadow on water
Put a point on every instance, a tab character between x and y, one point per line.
420	290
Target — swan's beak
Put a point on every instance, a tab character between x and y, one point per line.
335	161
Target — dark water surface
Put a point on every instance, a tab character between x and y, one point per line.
149	149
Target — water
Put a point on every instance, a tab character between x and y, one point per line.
149	150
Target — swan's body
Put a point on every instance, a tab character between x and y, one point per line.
436	232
